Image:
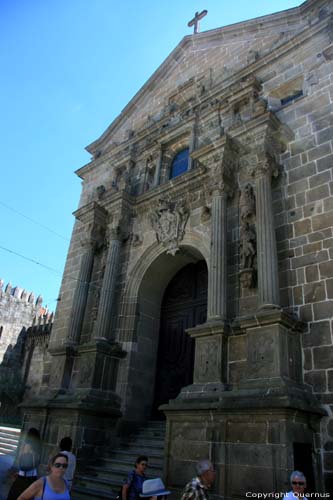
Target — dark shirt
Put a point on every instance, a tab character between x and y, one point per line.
135	482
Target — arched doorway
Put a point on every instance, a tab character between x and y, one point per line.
184	305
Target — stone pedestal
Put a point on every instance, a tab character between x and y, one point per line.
92	427
250	444
252	430
88	409
273	350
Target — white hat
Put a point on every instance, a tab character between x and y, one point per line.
153	487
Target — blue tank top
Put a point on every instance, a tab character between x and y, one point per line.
49	494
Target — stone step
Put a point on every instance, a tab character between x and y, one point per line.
6	438
98	483
103	478
140	444
8	444
151	434
9	439
109	462
4	450
84	493
156	458
116	474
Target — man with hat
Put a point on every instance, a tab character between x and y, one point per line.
197	489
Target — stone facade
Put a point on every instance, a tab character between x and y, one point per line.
253	105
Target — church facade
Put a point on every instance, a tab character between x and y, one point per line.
198	285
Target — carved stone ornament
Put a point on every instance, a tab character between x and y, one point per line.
248	238
169	221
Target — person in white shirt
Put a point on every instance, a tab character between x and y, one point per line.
298	484
65	448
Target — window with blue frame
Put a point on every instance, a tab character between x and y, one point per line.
179	163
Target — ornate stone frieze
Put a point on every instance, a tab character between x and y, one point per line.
169	221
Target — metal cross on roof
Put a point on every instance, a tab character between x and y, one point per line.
195	21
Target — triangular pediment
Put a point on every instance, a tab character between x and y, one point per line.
201	61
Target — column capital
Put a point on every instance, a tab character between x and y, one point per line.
115	232
92	213
266	167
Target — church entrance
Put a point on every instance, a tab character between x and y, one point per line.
184	305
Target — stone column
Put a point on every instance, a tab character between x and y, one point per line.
158	168
104	315
217	279
193	141
81	292
268	283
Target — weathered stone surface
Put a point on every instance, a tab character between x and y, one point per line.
320	334
317	379
326	269
323	357
311	273
322	310
314	292
329	288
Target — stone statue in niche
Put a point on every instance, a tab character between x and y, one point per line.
248	238
169	221
150	173
248	246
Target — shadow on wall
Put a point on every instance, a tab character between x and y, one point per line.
16	365
11	380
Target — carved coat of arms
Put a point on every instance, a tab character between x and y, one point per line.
169	221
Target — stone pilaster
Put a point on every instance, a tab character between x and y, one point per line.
93	217
104	316
81	291
268	284
158	168
193	142
217	282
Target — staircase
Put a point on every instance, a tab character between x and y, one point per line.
103	480
9	438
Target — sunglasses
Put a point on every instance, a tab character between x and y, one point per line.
58	465
297	483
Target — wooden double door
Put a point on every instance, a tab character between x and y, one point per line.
184	306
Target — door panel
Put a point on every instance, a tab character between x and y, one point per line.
184	306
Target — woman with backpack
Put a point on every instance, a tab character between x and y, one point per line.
53	486
133	486
27	462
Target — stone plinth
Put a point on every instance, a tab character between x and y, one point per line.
273	350
252	448
210	363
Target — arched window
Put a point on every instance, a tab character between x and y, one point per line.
179	163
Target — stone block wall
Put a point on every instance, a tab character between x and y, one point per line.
18	309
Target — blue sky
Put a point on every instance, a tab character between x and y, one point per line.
68	68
